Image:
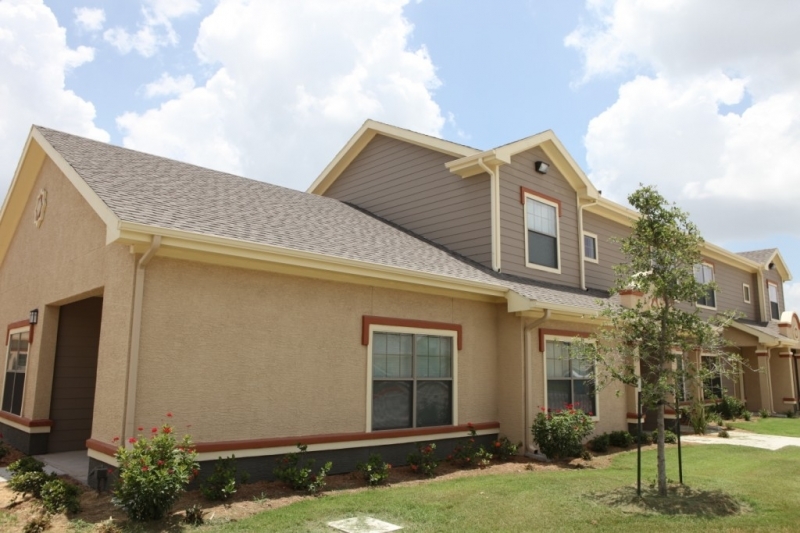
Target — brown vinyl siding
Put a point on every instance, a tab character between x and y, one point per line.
518	174
730	296
601	275
410	186
775	277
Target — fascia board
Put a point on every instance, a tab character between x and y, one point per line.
521	304
780	263
470	166
133	233
365	134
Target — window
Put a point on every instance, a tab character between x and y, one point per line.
590	247
541	221
712	380
746	292
774	308
704	273
568	380
412	380
16	364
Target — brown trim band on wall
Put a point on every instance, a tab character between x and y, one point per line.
27	422
559	333
219	446
785	354
762	354
524	190
367	321
789	400
634	292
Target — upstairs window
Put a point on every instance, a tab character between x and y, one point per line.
704	273
590	247
774	308
542	246
16	366
746	292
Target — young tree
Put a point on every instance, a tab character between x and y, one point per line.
652	341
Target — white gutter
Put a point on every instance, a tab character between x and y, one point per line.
136	332
494	186
528	371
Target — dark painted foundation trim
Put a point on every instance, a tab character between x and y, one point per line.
28	443
260	468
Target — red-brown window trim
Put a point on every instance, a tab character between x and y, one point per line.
27	422
20	324
367	321
524	190
559	333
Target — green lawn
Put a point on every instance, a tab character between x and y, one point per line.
788	427
561	500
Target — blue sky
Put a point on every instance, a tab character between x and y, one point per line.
699	98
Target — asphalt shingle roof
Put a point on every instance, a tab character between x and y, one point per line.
759	256
155	191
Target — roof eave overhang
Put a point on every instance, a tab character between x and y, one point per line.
365	134
518	303
780	264
764	338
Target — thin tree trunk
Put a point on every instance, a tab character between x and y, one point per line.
662	461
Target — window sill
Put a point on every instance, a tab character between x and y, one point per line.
543	268
705	307
590	260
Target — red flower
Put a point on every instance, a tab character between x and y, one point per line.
160	462
167	429
497	444
154	430
132	440
145	469
115	439
171	471
169	414
141	428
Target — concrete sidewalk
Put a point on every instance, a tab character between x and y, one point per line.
740	437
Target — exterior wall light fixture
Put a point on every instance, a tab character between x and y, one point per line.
541	167
34	318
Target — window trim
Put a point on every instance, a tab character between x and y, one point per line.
718	375
713	279
562	338
596	251
777	300
552	202
746	293
14	329
379	328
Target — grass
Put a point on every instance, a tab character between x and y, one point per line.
787	427
566	500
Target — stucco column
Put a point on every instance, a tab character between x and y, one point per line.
783	386
762	354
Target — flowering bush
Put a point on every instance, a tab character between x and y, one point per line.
296	472
375	471
467	454
561	433
153	473
503	449
423	461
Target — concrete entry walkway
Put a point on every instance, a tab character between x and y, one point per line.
74	464
739	437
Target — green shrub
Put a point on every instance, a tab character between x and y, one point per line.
620	439
790	413
153	473
724	434
503	449
586	456
4	449
644	438
669	436
26	464
747	416
375	470
600	443
714	418
221	485
698	418
730	408
37	524
423	461
194	515
30	482
59	496
561	433
296	472
467	454
763	413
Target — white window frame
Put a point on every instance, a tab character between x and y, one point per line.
557	207
771	284
746	293
596	258
569	340
11	332
377	328
713	279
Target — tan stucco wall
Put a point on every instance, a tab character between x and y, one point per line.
65	260
612	405
240	354
510	376
752	379
780	369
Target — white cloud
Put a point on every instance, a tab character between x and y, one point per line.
155	30
89	19
292	82
791	296
34	58
688	65
166	85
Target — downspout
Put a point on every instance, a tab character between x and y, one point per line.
136	332
528	371
494	187
762	294
582	261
